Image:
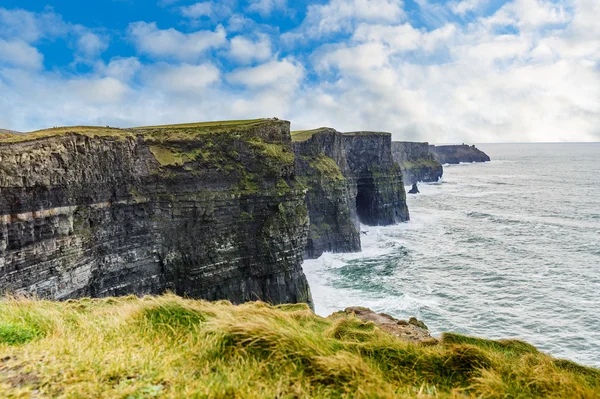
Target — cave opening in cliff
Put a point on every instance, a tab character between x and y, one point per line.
364	200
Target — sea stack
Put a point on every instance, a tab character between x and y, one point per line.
414	189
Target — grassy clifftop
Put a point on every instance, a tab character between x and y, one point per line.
174	348
183	131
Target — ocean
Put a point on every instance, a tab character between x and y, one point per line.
505	249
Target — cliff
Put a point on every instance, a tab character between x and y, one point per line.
170	347
331	192
380	198
208	210
416	162
454	154
351	179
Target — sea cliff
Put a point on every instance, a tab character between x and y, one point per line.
209	210
416	162
454	154
351	179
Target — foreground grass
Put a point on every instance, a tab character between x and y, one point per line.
175	348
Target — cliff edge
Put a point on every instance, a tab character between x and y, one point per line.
454	154
208	210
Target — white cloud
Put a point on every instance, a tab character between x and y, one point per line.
29	26
284	74
191	79
405	37
343	15
266	7
20	54
464	6
245	50
170	43
530	14
21	26
90	45
123	69
538	85
207	9
106	90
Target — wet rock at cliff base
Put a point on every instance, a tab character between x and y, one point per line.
414	189
411	331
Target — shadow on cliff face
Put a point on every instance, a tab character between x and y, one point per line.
365	202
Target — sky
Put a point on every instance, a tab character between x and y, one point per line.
424	70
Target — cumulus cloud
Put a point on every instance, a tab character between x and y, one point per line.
91	45
343	15
266	7
487	87
29	26
404	37
185	78
22	30
123	69
530	14
17	53
246	50
284	74
171	43
464	6
207	9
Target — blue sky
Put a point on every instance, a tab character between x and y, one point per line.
441	71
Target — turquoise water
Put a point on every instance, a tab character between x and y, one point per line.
506	249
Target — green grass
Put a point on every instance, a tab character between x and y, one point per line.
163	133
169	347
327	167
303	135
204	124
90	131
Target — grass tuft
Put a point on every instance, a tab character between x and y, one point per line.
170	347
508	347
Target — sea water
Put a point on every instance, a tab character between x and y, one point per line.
505	249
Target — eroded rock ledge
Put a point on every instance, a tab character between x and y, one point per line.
204	210
412	330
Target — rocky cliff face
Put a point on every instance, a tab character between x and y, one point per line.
208	210
416	162
454	154
380	198
351	178
331	197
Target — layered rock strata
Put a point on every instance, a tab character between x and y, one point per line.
380	198
205	210
331	193
454	154
416	162
351	179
